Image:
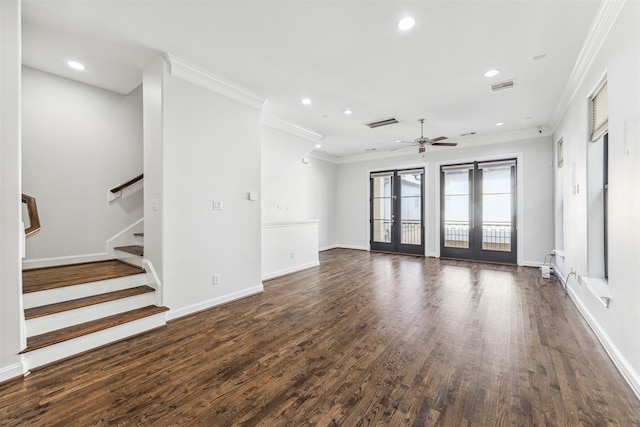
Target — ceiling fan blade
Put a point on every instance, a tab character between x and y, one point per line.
440	138
406	142
445	144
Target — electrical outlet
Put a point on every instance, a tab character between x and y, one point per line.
216	279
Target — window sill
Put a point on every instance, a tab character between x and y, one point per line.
600	288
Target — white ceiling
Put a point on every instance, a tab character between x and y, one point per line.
341	54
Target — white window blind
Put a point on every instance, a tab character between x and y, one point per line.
381	174
599	113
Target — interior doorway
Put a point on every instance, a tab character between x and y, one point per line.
397	211
478	218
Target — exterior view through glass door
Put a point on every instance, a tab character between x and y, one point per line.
397	211
478	211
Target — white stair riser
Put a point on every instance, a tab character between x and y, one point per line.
43	356
41	325
139	240
129	258
67	293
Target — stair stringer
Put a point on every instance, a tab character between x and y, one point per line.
125	237
154	281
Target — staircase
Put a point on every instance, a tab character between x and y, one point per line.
70	309
132	254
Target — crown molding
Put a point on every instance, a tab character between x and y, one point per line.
464	143
602	24
292	129
323	156
202	78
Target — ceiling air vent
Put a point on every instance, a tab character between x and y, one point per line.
384	122
508	84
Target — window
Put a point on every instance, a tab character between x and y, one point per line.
600	113
605	201
560	197
598	185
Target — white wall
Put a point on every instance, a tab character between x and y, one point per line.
618	325
536	219
12	337
78	142
210	147
295	191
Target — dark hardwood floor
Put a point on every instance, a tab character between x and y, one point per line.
364	339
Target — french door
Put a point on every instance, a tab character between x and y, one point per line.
397	211
478	211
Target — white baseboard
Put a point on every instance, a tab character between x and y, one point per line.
536	264
358	248
11	371
204	305
290	270
631	376
123	238
326	248
62	260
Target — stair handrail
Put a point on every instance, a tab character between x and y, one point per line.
127	184
34	218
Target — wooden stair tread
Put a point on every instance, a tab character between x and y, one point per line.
133	249
54	337
40	279
139	234
45	310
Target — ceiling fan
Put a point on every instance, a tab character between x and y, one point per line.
422	142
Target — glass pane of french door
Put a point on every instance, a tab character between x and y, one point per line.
457	199
382	209
397	211
496	206
411	207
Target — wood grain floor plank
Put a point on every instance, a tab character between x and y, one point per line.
363	339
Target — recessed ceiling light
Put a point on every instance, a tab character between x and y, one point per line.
76	65
305	101
318	146
348	112
492	73
499	124
406	23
